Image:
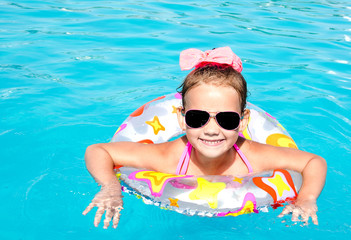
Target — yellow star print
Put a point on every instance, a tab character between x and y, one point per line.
280	184
173	202
239	180
174	109
156	125
207	191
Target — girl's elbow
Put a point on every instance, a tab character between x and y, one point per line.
322	162
92	152
319	164
324	165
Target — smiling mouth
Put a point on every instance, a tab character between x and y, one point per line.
211	142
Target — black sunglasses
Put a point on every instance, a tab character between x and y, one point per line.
198	118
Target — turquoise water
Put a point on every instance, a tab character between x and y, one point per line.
72	71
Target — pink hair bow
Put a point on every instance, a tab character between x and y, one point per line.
192	57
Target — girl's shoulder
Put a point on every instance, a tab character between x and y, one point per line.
265	157
258	154
172	147
170	153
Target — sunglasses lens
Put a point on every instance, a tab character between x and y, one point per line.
196	118
228	120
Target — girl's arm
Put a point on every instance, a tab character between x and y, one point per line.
312	167
100	165
314	175
100	160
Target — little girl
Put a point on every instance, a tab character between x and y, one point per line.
212	115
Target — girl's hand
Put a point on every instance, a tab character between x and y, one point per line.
109	199
303	209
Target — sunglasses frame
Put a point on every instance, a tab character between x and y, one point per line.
183	112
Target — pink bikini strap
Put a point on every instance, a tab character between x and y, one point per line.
183	164
241	154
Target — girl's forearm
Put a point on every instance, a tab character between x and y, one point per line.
100	165
314	175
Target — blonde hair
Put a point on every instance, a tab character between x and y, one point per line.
218	75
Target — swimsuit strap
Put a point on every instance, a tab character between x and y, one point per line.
245	160
183	164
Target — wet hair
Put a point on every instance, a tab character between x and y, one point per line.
217	75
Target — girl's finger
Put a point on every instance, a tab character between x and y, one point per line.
285	211
314	218
98	216
116	218
108	217
305	217
89	207
295	215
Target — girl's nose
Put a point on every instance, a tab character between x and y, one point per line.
211	127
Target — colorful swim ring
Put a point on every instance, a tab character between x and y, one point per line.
156	122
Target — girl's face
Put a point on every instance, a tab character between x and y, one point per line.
211	140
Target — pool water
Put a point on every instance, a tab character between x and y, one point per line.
71	71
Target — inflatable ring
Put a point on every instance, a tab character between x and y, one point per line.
156	122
